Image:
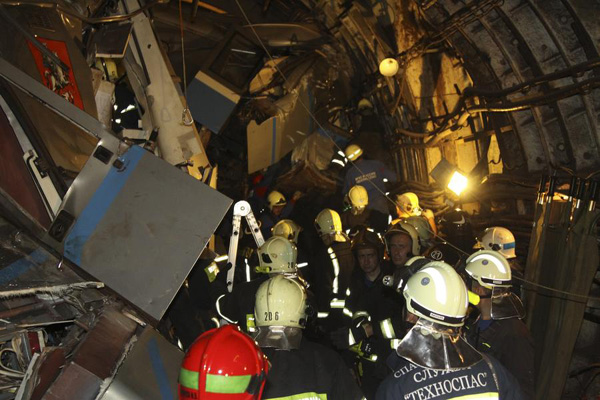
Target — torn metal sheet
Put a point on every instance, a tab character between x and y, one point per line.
178	139
149	372
269	141
211	102
27	268
138	224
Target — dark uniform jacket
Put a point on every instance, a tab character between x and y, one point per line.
382	305
374	219
510	342
310	372
238	306
331	283
487	380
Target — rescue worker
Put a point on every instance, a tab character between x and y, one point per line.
371	306
498	330
372	174
503	241
433	360
335	263
278	208
276	256
457	232
407	206
290	230
356	213
300	369
402	243
223	362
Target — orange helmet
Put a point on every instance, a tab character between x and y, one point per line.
223	364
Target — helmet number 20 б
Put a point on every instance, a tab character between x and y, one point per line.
269	315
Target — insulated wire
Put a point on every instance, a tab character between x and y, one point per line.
186	109
264	47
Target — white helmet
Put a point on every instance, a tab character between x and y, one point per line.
404	228
276	199
408	205
359	198
438	294
280	301
499	239
328	222
489	268
277	255
352	152
288	229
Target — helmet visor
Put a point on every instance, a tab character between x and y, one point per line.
436	346
506	304
279	337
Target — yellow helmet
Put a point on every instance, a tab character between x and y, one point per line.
288	229
276	199
277	255
437	293
328	222
359	198
352	152
408	205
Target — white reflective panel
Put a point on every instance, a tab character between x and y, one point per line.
439	282
493	260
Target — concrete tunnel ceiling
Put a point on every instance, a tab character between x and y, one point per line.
534	63
446	46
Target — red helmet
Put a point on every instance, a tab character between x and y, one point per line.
223	364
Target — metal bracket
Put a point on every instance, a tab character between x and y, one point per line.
241	209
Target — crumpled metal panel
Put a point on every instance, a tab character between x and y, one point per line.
25	266
149	371
140	224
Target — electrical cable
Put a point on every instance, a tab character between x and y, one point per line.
186	117
435	235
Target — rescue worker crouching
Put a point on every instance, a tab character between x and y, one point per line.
300	369
223	362
433	360
334	264
498	330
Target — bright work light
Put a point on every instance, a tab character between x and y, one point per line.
457	183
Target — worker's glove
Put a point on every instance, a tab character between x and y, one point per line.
364	348
344	337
